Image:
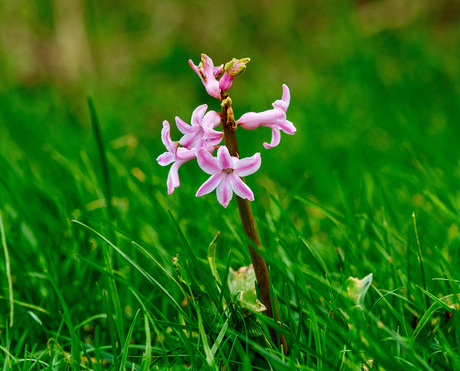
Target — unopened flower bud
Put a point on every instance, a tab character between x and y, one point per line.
232	69
236	66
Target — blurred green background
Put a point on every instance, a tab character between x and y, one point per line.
367	75
374	84
375	99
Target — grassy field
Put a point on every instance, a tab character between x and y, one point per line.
367	185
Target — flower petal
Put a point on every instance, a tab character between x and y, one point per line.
286	94
184	155
189	141
212	137
211	120
197	115
183	127
194	68
240	188
288	127
224	190
212	88
207	73
211	184
253	120
173	177
165	158
207	162
224	160
248	165
166	137
283	104
225	82
276	137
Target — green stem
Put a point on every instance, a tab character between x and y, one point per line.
248	221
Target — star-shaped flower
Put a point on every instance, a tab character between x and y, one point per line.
225	172
208	75
176	155
200	132
274	119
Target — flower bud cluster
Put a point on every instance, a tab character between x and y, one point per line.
200	139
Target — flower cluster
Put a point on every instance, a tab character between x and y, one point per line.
200	139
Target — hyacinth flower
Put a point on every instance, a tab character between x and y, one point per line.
274	119
208	75
201	129
175	155
226	172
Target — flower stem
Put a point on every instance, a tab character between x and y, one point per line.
249	223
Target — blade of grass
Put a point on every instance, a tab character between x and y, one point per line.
75	342
204	338
102	155
147	358
420	258
317	258
8	270
437	300
112	328
125	350
27	305
220	337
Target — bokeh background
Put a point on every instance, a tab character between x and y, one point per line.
374	84
375	89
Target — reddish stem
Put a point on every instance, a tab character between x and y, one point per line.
249	223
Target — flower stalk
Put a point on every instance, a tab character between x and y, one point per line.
249	222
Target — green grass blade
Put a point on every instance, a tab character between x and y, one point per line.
420	258
112	328
125	350
103	158
75	342
8	270
147	359
204	338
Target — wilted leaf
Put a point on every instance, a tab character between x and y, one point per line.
357	289
241	284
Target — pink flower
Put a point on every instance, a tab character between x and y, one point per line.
175	155
225	172
274	119
208	75
232	69
200	132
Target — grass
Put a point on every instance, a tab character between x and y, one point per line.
369	184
